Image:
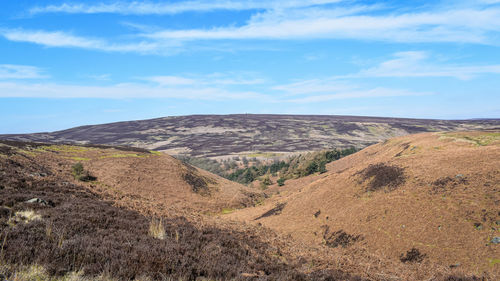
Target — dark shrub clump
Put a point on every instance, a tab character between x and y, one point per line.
339	238
412	256
81	174
382	175
273	212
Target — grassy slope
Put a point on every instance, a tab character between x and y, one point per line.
103	229
447	206
76	232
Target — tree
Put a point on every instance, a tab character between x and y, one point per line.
281	181
311	168
267	181
322	167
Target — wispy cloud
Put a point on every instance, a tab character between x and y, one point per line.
326	89
465	25
121	91
63	39
277	20
360	93
11	71
214	79
147	8
314	86
100	77
417	64
171	80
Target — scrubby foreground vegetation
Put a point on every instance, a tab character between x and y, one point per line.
56	228
147	216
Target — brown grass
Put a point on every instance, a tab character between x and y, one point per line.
82	234
438	192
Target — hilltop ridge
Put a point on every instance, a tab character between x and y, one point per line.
244	134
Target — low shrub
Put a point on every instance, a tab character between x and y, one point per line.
81	174
281	181
412	256
338	238
382	176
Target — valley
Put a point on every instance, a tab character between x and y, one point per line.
422	206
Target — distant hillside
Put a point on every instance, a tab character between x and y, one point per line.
247	134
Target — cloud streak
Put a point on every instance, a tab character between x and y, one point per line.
215	79
465	25
63	39
11	71
149	8
120	91
327	89
360	93
416	64
277	20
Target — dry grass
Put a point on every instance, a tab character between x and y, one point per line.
36	272
25	216
156	229
436	199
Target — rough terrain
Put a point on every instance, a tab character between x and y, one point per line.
420	207
436	192
251	135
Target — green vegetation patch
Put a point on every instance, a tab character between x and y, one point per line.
493	262
479	140
81	174
65	148
226	211
123	155
76	158
295	167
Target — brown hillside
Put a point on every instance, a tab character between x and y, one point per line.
152	182
435	192
55	228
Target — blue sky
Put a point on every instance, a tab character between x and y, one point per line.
69	63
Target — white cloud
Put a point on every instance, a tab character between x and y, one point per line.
465	25
417	64
171	80
279	20
100	77
62	39
145	8
327	89
215	79
11	71
314	86
361	93
120	91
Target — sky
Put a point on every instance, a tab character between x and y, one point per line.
70	63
